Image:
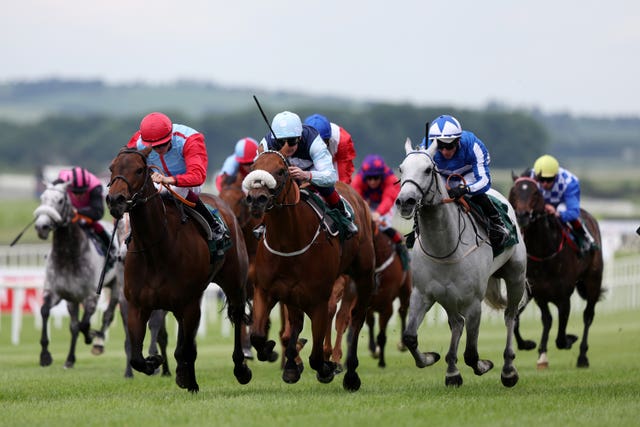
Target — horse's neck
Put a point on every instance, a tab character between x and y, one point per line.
542	234
69	244
148	222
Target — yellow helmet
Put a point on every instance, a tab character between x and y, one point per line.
546	166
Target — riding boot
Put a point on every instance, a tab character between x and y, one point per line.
498	232
584	240
220	239
352	228
400	247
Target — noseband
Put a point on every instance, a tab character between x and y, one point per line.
137	198
280	187
423	193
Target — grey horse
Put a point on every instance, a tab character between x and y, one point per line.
452	264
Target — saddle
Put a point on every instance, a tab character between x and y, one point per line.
503	210
332	220
214	246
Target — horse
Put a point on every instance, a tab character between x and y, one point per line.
452	264
157	326
72	272
168	266
555	269
297	263
392	282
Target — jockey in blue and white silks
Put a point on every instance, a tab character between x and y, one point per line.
564	195
471	160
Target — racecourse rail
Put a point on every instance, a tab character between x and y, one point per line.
22	277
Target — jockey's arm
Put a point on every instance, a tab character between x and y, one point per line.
196	160
95	208
571	199
323	172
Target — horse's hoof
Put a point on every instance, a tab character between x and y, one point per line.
273	357
509	379
453	380
351	381
69	364
583	362
568	342
189	383
46	359
243	374
482	367
327	372
97	350
402	347
382	364
291	376
339	369
541	366
426	359
527	345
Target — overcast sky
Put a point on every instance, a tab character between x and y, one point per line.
571	56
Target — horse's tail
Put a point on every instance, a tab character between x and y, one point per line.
493	296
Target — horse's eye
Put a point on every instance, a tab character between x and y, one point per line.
281	172
428	171
400	170
140	171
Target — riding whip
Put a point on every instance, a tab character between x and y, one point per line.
22	232
106	258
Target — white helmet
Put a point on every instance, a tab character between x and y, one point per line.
286	125
445	128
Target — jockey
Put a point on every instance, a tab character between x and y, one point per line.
239	162
180	152
339	143
561	191
85	193
378	186
460	152
309	158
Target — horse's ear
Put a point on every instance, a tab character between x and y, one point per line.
408	146
146	151
513	175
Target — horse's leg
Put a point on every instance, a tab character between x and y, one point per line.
186	350
515	291
523	344
471	356
336	295
137	327
587	318
159	338
383	321
291	369
45	311
546	318
325	370
107	317
90	305
236	314
564	341
456	324
74	329
128	372
262	306
370	321
343	320
404	296
418	308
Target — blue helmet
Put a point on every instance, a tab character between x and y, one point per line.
445	128
321	124
286	125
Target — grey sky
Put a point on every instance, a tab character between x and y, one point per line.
571	56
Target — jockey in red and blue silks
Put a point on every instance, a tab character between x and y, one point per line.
309	157
379	187
239	162
460	152
85	193
180	152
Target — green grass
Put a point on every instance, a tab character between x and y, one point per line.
95	392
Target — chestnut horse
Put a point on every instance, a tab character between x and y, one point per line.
391	282
168	266
297	263
554	268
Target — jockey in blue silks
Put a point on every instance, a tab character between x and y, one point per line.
309	158
457	151
561	191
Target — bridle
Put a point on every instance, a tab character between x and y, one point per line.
275	192
137	198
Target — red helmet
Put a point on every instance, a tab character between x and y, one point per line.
77	177
156	129
246	150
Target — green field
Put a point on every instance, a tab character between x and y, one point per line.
95	392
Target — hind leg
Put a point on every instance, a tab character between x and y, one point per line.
325	370
515	293
107	318
383	321
546	318
418	308
587	318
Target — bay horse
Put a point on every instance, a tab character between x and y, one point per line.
392	282
72	272
297	263
452	264
157	325
168	266
555	269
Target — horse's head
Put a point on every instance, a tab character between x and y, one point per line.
130	181
234	196
420	183
266	182
55	209
527	200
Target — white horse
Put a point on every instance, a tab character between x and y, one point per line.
452	264
72	273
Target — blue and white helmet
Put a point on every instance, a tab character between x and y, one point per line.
445	128
286	125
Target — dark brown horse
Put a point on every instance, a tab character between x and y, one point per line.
555	268
168	266
297	263
391	282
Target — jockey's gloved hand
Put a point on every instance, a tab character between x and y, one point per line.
459	191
